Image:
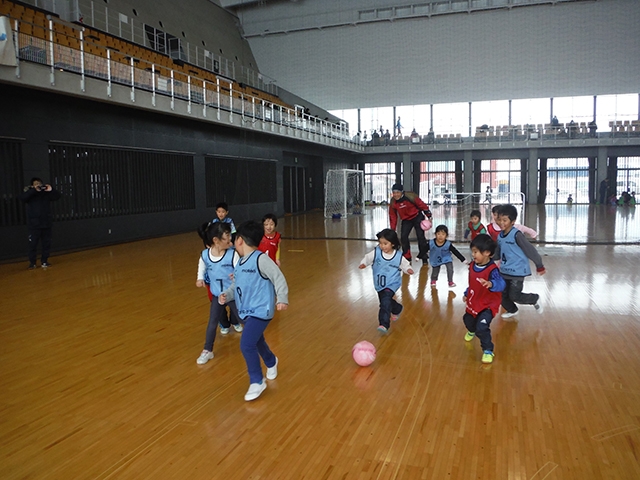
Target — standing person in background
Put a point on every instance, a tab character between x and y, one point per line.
38	197
411	210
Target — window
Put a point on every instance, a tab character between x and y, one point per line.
531	111
437	181
567	176
450	118
489	113
578	109
378	180
503	176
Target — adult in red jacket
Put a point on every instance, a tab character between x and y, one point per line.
410	208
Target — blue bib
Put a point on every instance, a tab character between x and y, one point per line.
217	272
439	255
513	261
386	273
255	295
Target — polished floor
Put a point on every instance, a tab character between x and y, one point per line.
99	378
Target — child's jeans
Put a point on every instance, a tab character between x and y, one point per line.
253	346
388	306
218	314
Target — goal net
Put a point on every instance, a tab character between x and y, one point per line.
344	193
454	209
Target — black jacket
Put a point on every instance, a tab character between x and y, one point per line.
38	207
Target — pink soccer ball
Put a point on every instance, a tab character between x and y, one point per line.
364	353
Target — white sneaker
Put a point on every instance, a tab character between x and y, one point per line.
224	331
237	327
539	308
272	372
509	315
204	357
255	390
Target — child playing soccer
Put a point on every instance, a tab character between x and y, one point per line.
222	212
215	268
484	294
388	262
475	227
259	288
494	229
270	243
514	252
440	254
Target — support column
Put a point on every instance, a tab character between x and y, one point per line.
407	178
532	177
602	171
467	171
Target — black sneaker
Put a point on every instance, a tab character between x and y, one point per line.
31	267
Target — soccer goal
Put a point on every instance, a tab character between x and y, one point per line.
454	210
344	193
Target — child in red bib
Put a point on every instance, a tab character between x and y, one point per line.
270	243
484	294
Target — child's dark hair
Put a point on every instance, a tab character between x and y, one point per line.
270	216
475	213
442	228
496	208
222	205
508	210
390	236
208	231
251	232
484	243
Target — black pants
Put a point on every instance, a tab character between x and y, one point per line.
37	235
405	230
512	294
480	326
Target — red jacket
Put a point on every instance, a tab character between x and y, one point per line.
408	207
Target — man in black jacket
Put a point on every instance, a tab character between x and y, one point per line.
38	196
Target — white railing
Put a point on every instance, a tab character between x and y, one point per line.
115	67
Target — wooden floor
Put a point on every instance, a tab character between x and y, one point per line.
99	376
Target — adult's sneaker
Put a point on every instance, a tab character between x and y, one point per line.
204	357
31	267
45	264
224	330
509	314
272	372
487	356
469	336
237	327
255	390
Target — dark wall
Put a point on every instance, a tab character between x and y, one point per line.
38	118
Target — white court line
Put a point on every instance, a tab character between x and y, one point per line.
539	474
613	432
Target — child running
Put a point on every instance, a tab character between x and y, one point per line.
259	287
215	269
483	295
494	229
270	243
440	254
514	252
475	226
388	262
222	212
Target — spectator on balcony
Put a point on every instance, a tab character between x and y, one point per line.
398	128
387	137
555	122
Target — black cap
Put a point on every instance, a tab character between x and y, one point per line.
397	187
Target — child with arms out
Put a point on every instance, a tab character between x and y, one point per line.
483	295
475	226
270	243
215	269
514	252
259	288
440	254
388	263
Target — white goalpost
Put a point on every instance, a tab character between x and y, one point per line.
454	210
343	193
